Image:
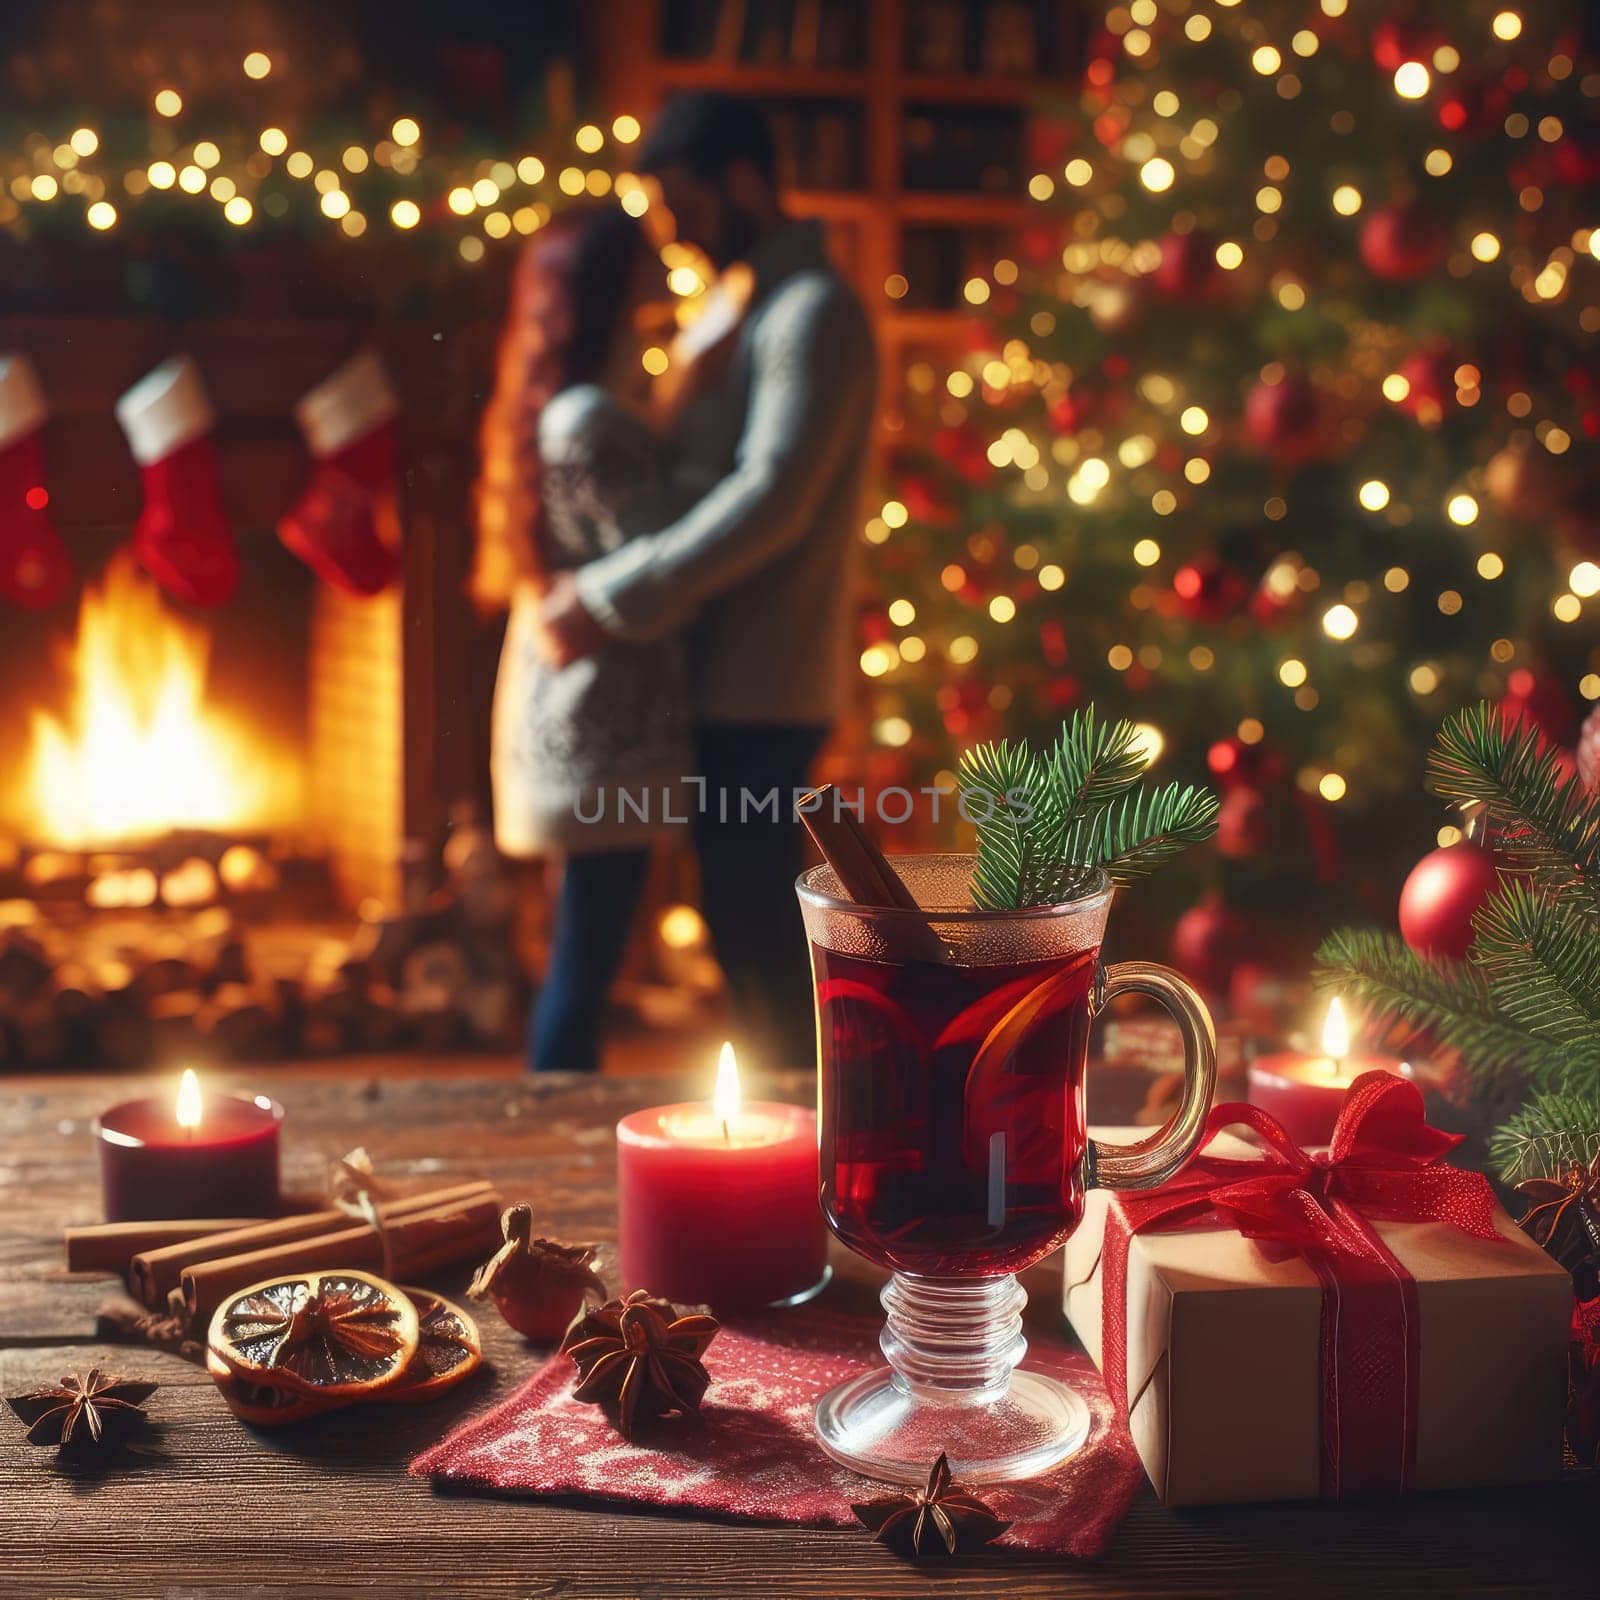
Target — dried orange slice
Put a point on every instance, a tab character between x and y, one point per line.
448	1351
260	1404
336	1335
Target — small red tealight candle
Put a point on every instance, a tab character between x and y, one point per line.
203	1155
1306	1092
717	1204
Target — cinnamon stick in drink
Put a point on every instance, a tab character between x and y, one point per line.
864	872
153	1274
110	1246
409	1247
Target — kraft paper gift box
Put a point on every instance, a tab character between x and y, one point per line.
1225	1358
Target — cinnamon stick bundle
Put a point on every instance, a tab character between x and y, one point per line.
409	1247
110	1246
153	1274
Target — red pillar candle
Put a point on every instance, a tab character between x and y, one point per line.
203	1155
717	1203
1306	1092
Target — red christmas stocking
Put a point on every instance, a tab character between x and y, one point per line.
346	526
182	537
35	570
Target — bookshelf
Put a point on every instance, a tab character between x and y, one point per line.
903	123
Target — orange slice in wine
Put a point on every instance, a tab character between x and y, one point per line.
448	1351
334	1335
1026	1108
259	1404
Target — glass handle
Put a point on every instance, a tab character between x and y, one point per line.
1155	1159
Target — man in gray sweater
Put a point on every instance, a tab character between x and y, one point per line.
761	569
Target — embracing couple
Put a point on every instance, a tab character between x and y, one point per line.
678	561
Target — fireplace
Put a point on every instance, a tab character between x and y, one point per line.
224	832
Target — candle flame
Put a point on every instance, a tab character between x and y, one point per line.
189	1100
1336	1032
725	1098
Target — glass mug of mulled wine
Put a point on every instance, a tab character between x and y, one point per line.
951	1051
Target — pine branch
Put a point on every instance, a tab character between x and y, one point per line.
1044	822
1094	761
1144	830
1542	962
1006	775
1551	1131
1553	821
1452	1001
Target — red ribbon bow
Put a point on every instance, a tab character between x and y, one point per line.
1384	1163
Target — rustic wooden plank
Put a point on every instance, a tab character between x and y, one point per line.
326	1509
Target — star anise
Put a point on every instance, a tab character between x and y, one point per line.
82	1411
640	1359
940	1520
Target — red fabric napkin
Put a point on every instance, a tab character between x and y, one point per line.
751	1453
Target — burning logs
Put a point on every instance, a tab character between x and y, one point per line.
240	962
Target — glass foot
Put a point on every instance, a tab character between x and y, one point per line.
952	1384
875	1426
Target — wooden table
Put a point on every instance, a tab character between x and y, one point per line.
327	1508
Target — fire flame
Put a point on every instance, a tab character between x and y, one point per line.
189	1103
139	752
1336	1032
725	1097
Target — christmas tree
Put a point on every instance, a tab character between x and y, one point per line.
1276	434
1521	1010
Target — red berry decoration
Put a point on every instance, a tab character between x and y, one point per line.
1439	898
1402	243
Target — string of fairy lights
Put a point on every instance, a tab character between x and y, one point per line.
1099	274
278	173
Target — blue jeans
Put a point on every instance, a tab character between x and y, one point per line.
747	870
747	873
594	911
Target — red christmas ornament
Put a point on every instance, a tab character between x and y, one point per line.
1439	898
1431	375
1075	409
1244	824
1208	941
1402	242
1208	589
1188	269
1526	480
1587	757
1285	418
1395	43
1537	702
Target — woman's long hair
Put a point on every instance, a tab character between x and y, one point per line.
572	285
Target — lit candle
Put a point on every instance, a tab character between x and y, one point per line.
717	1201
1306	1092
195	1155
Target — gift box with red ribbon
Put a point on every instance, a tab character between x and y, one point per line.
1282	1324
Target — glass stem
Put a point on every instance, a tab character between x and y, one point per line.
953	1339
